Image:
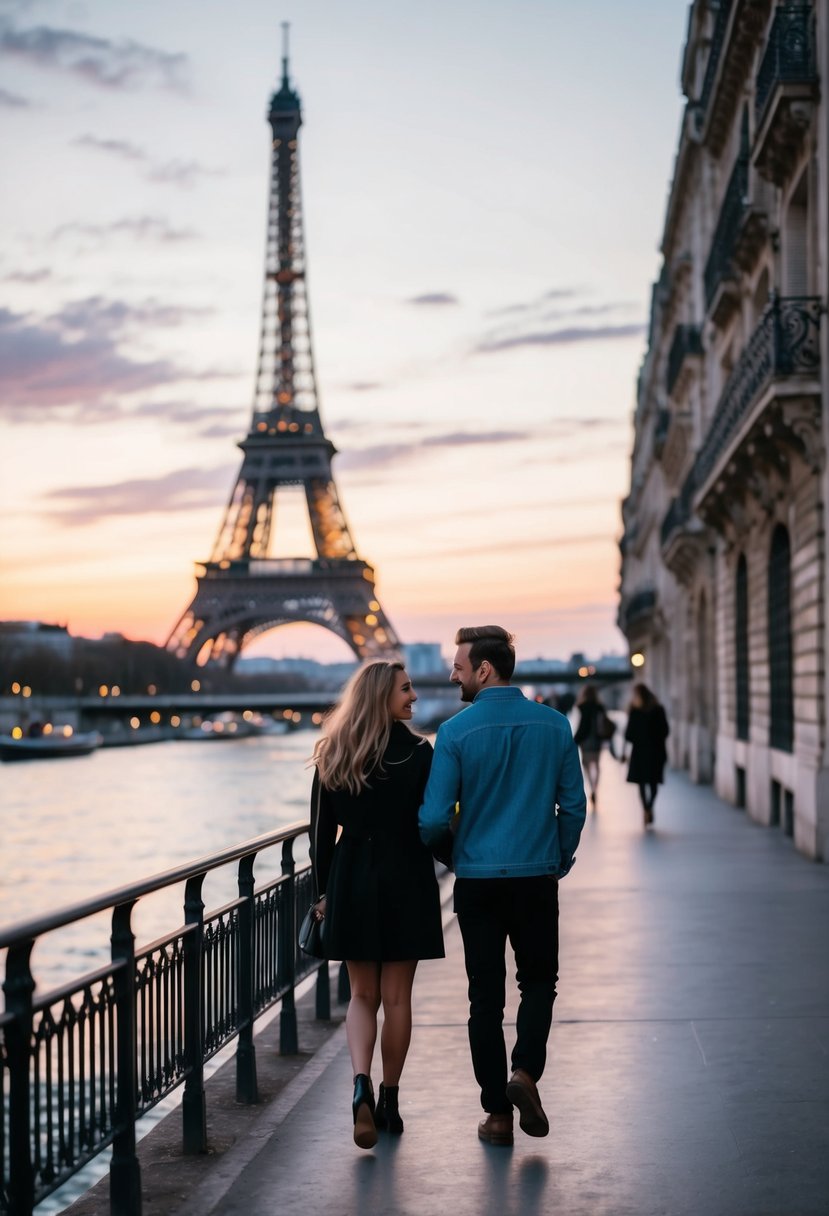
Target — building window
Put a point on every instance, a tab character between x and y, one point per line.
741	647
781	734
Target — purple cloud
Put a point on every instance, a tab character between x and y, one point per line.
189	489
139	228
567	336
182	173
434	298
72	361
98	61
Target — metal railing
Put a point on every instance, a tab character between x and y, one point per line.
80	1065
789	56
720	263
785	343
679	512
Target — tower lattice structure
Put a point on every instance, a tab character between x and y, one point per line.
241	591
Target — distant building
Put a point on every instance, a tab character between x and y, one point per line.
424	659
724	573
22	637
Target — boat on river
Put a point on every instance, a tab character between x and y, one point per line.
49	746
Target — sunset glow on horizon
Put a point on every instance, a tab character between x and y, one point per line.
483	193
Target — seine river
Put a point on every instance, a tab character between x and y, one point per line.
77	827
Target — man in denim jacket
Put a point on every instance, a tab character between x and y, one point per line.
512	766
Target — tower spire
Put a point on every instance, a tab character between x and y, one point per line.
286	26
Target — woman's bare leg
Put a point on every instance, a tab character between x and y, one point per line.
361	1017
396	981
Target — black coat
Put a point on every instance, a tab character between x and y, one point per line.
647	730
587	731
382	899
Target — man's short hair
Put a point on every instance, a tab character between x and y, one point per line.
492	643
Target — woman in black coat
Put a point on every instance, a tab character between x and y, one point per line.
646	732
381	904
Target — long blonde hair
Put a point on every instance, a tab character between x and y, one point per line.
356	732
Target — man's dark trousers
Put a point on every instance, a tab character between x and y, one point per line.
490	911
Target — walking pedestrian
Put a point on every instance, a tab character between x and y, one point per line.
595	728
646	732
381	905
513	767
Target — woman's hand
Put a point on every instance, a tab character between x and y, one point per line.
319	909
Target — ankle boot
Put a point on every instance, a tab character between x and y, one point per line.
387	1115
362	1106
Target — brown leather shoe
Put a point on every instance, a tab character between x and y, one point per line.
496	1129
522	1092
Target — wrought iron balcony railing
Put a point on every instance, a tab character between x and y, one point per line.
785	343
720	264
790	54
687	341
679	512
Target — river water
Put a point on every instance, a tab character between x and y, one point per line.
77	827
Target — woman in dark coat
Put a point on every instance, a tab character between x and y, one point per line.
381	904
646	732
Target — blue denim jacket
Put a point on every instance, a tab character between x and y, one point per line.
513	767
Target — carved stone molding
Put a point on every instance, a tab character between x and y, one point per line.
802	419
760	471
780	143
685	551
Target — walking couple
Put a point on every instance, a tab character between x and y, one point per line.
504	789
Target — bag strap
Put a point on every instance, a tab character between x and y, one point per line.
314	883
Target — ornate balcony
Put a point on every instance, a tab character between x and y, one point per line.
680	512
638	609
740	232
785	344
786	88
770	400
687	343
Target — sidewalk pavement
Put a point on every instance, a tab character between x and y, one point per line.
688	1069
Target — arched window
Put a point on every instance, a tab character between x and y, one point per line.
781	734
741	648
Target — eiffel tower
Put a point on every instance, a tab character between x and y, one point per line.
242	592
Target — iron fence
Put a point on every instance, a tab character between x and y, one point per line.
789	56
785	343
80	1065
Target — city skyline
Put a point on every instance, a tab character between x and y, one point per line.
482	235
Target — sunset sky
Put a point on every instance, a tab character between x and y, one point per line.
484	187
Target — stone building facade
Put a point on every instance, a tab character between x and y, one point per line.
724	575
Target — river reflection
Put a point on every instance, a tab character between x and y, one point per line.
75	828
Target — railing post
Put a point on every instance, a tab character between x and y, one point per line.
343	985
323	993
124	1172
18	987
288	1036
246	1087
193	1106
